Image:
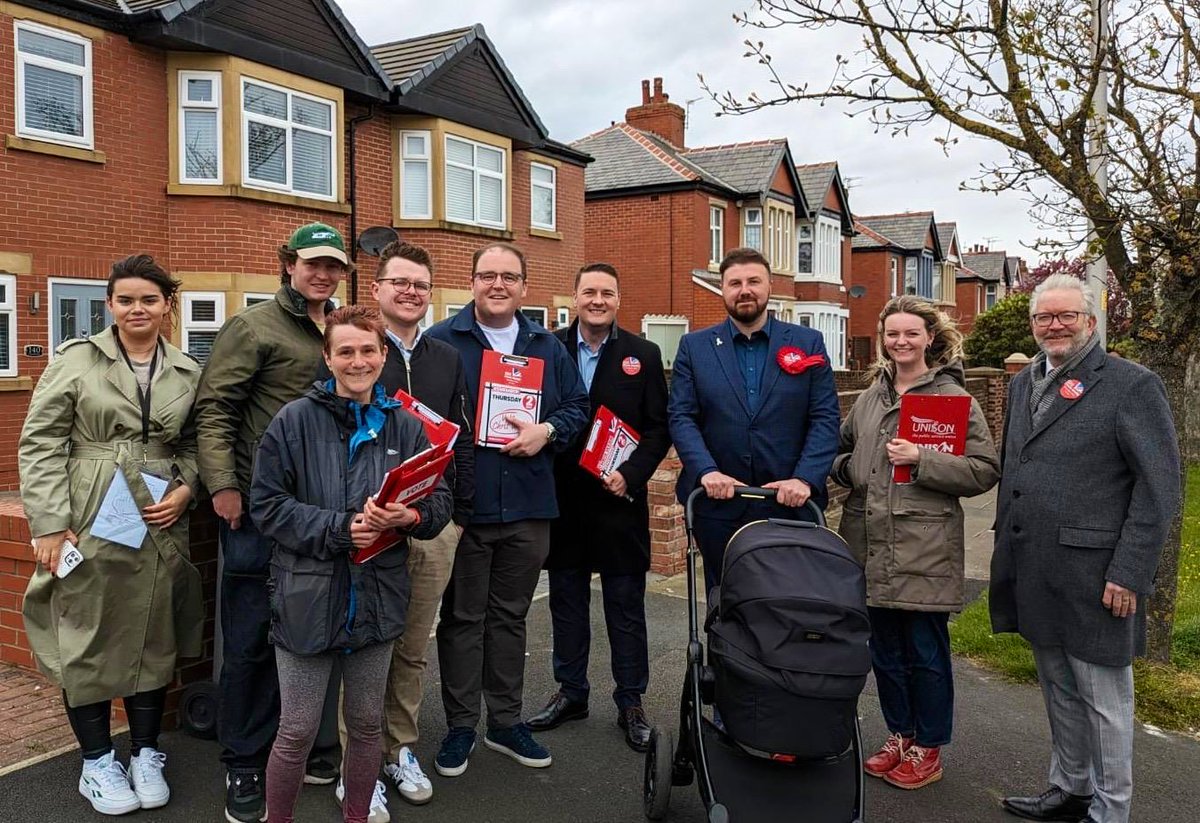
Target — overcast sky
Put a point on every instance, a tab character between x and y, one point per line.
580	63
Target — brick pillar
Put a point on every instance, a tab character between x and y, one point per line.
668	540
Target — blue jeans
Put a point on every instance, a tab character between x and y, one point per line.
249	715
910	653
625	619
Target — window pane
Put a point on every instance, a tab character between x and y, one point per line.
3	293
200	145
414	145
754	237
415	188
203	311
267	153
199	90
460	152
68	317
53	101
311	155
200	344
542	207
460	194
97	315
32	42
491	199
311	113
262	100
490	159
5	353
541	174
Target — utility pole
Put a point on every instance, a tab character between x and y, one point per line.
1097	268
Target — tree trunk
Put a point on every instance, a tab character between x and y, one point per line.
1189	439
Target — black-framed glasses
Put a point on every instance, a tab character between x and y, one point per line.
403	284
1044	318
507	277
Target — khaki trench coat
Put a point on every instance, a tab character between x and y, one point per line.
910	537
114	626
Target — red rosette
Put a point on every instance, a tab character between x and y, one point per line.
794	361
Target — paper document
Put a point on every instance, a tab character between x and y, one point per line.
510	388
120	519
609	444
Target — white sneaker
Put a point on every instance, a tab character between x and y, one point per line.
105	784
379	810
411	782
146	775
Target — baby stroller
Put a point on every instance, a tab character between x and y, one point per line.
787	660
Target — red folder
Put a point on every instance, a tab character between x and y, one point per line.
932	421
413	479
510	386
440	431
609	443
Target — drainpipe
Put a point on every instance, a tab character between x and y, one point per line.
354	121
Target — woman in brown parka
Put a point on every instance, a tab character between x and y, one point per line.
910	536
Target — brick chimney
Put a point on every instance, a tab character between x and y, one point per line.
657	114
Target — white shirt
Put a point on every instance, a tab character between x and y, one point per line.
502	340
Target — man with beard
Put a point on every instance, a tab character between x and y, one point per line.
1090	485
753	403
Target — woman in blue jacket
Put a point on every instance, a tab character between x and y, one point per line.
317	467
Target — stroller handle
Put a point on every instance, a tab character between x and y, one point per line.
752	493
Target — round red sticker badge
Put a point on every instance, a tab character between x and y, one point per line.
631	365
1071	390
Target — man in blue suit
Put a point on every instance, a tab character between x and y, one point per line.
753	403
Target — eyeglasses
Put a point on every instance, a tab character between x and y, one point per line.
489	277
403	284
1044	319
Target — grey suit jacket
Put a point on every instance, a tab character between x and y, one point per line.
1086	496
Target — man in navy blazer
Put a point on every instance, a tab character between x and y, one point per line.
753	403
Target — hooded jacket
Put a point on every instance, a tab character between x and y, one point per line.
319	459
910	537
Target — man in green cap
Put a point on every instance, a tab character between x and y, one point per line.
262	358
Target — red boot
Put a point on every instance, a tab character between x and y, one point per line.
919	767
887	758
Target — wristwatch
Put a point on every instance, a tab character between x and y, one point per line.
551	432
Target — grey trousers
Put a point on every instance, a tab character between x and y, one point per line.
481	636
1090	708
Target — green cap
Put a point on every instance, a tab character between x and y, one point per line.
318	240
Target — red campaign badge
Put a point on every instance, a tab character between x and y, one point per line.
631	366
794	361
1071	390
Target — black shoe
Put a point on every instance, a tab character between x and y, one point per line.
637	728
245	796
558	711
321	770
1052	804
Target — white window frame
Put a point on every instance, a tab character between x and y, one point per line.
895	273
8	306
476	173
203	105
187	326
427	159
649	320
833	322
990	293
911	266
827	249
747	223
562	315
542	309
552	188
22	59
452	309
716	233
288	127
256	296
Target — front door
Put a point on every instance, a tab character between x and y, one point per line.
77	311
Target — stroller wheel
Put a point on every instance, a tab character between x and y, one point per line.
656	785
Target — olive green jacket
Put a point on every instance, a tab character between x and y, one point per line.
263	358
910	537
115	625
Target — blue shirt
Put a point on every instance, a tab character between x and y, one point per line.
752	360
588	359
405	351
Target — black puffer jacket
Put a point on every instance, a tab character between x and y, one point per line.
303	496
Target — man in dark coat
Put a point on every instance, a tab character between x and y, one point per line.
604	525
1090	485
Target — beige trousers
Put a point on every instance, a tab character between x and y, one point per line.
429	565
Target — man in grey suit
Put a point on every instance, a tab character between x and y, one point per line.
1090	484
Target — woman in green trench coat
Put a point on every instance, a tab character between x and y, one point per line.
115	404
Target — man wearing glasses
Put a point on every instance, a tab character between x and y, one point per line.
481	636
1089	489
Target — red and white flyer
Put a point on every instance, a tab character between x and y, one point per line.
407	483
609	444
510	387
440	431
932	421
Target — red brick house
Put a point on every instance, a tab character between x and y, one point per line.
823	268
892	254
986	276
664	214
203	132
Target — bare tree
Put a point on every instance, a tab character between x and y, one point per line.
1024	75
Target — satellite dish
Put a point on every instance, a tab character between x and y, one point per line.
373	240
855	291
